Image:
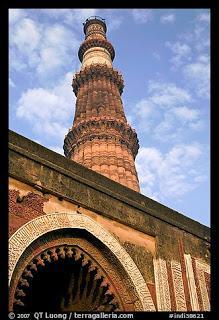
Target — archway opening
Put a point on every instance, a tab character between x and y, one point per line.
63	278
117	266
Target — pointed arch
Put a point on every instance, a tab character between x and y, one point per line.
37	227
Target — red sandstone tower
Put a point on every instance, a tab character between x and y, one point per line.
100	138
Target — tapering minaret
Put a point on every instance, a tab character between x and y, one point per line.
100	138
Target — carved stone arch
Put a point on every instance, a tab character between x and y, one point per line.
72	273
42	225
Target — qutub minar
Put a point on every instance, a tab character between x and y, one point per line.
81	235
101	139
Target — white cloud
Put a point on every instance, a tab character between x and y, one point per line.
25	35
186	114
197	125
169	175
15	62
48	110
204	17
11	83
169	18
56	48
45	47
190	56
51	129
200	178
142	15
144	108
204	58
15	15
166	130
114	23
166	112
75	17
201	38
181	53
24	39
113	18
198	75
40	103
197	70
198	37
85	13
70	16
156	56
167	94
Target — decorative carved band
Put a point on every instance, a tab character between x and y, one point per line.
97	71
178	286
162	285
87	44
32	230
191	283
202	268
89	130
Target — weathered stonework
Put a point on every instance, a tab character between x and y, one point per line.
162	285
100	137
178	286
142	257
171	286
203	269
23	208
157	239
184	275
60	245
23	237
191	282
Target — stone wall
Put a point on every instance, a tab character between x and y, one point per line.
170	250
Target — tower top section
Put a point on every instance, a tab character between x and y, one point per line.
94	20
95	48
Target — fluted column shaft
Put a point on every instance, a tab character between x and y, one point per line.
100	138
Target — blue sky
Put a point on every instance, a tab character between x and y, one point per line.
164	56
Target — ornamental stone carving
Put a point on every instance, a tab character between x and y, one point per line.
23	237
178	286
86	287
162	285
191	283
201	269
